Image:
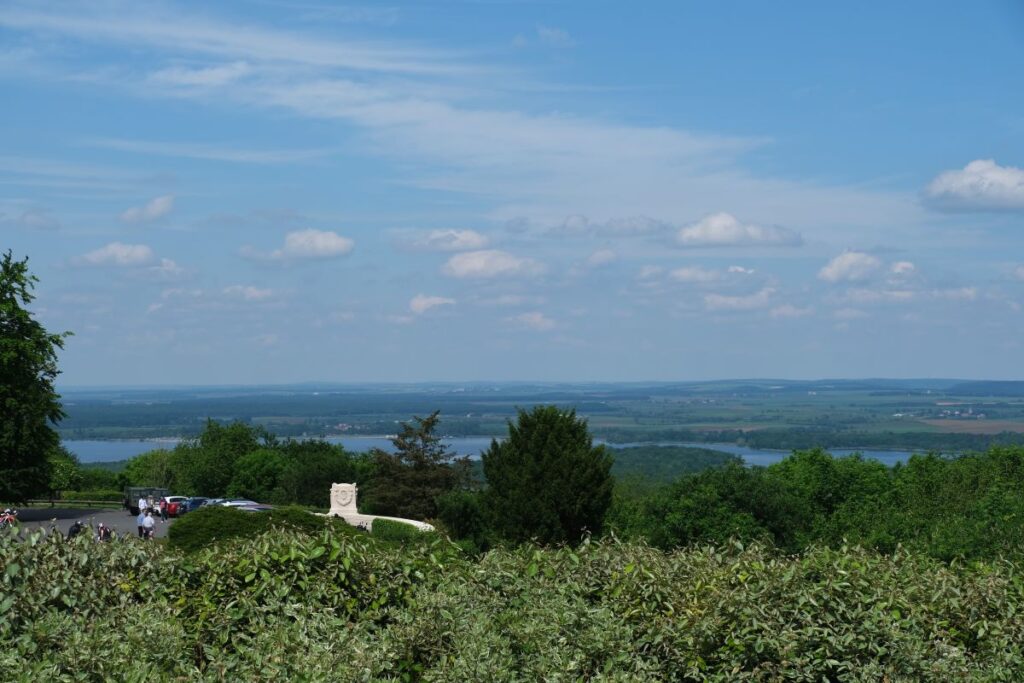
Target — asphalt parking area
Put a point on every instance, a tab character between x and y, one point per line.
62	519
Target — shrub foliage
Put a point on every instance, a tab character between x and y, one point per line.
289	604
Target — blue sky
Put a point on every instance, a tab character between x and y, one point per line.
284	191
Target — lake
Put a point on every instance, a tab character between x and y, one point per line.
106	451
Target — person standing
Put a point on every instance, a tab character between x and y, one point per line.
143	505
163	509
141	521
149	526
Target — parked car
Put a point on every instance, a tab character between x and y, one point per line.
193	503
176	505
238	502
214	501
255	508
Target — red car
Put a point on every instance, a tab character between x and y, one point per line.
175	505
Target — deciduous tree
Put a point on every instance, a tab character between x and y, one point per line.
29	404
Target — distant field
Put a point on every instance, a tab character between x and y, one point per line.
977	426
719	426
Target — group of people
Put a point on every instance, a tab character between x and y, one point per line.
146	523
146	504
103	532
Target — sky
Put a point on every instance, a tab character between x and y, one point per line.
289	191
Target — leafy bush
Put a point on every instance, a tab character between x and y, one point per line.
327	605
390	530
216	523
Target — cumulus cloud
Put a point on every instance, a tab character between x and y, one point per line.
248	292
981	185
601	257
117	254
451	240
723	230
534	320
1018	272
749	302
154	209
694	274
304	245
902	268
421	303
740	270
849	266
490	263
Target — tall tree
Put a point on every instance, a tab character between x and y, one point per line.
408	482
547	481
29	404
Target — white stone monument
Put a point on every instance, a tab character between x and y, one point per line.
343	504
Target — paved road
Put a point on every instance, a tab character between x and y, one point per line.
118	520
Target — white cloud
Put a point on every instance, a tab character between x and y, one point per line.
117	254
790	311
721	302
649	272
206	77
554	37
451	240
306	245
981	185
534	320
421	303
165	270
740	270
414	105
190	34
723	230
601	257
1018	272
694	274
491	263
849	266
248	292
902	268
156	208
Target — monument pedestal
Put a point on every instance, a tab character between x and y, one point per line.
343	504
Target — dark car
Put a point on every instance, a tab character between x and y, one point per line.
193	503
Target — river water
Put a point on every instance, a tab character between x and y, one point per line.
106	451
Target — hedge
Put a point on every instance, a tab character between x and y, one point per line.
214	523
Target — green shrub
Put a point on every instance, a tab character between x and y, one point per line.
390	530
216	523
340	605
